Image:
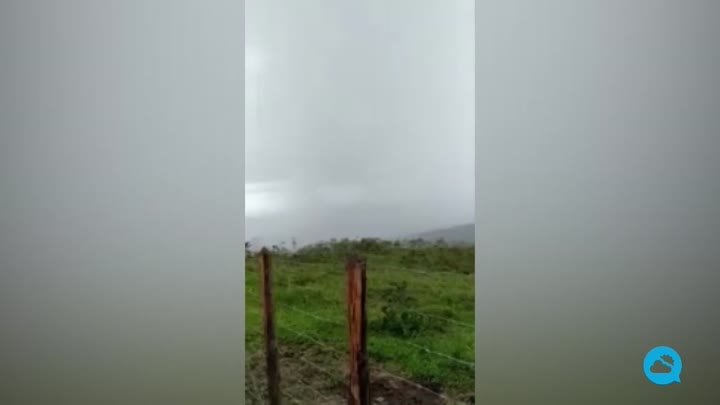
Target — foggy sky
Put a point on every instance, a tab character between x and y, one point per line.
359	116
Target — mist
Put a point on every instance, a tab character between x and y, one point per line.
359	118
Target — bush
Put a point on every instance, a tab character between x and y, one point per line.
399	318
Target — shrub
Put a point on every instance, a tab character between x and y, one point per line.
399	318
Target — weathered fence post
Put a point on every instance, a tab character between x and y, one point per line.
273	372
359	379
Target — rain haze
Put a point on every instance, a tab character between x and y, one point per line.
359	118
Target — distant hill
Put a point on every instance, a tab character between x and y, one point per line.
461	234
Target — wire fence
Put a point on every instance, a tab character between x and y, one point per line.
424	348
303	391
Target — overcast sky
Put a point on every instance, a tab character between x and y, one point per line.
359	118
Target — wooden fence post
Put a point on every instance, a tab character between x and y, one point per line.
359	379
273	372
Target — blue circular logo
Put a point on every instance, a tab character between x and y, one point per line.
662	366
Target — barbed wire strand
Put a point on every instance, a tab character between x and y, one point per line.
409	310
319	368
426	349
303	384
285	393
329	373
325	371
419	386
322	344
442	317
423	348
460	361
312	315
424	271
444	397
306	384
420	347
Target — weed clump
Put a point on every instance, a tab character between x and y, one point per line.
399	316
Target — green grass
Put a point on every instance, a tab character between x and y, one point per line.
309	291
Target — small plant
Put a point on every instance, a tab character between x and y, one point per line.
399	318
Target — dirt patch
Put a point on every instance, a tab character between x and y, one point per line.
389	390
312	377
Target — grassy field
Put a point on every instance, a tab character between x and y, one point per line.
420	321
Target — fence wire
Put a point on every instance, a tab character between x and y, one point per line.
338	377
417	346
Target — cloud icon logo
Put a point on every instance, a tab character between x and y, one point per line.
662	366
